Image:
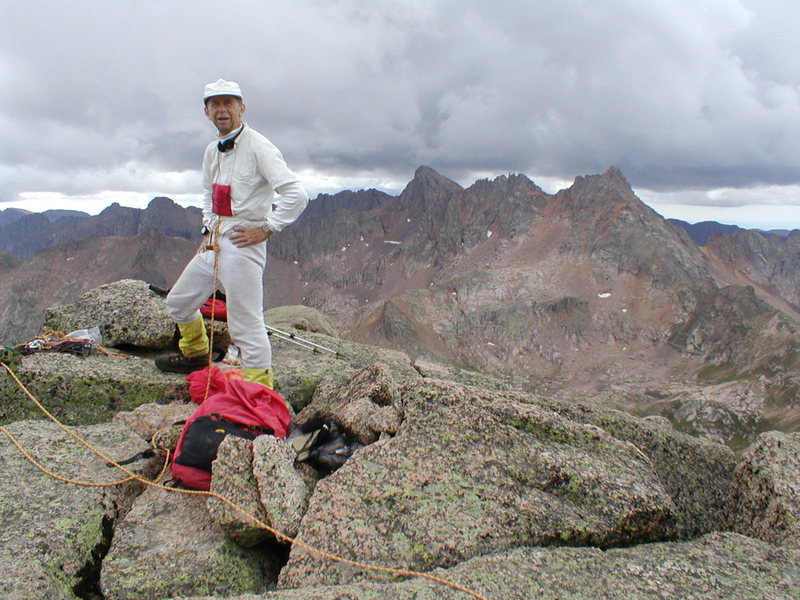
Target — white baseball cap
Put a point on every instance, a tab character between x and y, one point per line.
222	88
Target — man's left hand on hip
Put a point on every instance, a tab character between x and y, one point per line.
248	236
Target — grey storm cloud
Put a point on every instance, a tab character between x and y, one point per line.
678	94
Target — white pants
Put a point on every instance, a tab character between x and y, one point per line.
240	273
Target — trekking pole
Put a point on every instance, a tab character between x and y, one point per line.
307	344
297	342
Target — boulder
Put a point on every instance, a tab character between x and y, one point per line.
127	312
303	318
696	472
257	476
718	566
156	420
283	491
366	406
233	479
299	370
167	546
472	472
52	533
765	493
86	389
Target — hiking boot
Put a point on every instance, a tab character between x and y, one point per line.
178	363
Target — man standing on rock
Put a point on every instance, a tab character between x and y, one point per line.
242	171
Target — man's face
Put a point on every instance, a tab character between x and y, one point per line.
225	112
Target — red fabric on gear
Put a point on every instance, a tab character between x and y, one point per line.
220	309
239	401
198	381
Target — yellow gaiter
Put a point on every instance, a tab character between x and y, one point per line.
194	339
264	377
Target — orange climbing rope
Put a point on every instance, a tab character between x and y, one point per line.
213	246
47	471
280	536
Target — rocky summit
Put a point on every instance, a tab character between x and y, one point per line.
502	393
458	483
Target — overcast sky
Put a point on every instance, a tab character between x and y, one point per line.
696	101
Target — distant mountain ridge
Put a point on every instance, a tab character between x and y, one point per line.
368	240
62	273
161	213
701	232
10	215
25	235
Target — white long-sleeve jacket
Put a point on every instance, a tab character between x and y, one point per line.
255	170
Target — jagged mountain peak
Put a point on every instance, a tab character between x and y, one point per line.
361	200
615	174
429	175
624	235
116	220
603	199
511	183
612	181
427	183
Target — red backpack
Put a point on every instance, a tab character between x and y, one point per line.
234	407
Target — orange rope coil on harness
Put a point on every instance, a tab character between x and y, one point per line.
133	476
